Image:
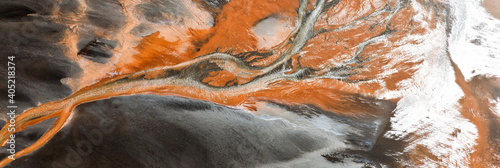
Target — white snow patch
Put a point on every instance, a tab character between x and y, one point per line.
475	39
496	107
428	115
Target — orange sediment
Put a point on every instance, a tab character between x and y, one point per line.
58	124
238	87
476	108
226	65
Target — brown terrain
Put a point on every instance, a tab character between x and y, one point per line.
492	6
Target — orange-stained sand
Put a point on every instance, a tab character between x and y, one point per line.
232	34
340	33
475	106
231	31
155	51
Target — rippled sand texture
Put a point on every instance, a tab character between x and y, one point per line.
301	83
